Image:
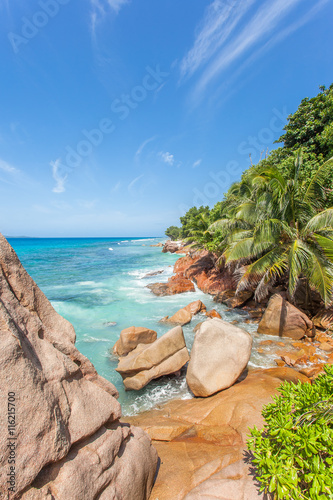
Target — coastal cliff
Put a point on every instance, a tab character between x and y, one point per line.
60	432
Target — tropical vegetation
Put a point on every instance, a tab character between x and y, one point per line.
276	224
293	452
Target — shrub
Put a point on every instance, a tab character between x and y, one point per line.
293	453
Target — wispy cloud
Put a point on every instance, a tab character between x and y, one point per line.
116	187
167	157
59	179
100	8
197	163
9	169
143	145
220	20
230	30
134	181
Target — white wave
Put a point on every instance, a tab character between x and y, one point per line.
86	283
90	339
111	249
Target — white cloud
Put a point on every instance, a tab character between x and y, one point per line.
60	180
197	163
230	31
6	167
100	8
219	22
167	157
143	145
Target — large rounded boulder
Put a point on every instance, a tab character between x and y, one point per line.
219	355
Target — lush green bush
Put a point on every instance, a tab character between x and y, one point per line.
293	453
173	232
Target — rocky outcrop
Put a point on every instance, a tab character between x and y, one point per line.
231	299
68	439
165	356
213	314
172	246
196	307
219	355
181	317
201	441
285	320
176	284
131	337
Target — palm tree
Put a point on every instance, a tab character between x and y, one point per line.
278	229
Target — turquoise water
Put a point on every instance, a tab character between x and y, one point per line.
99	285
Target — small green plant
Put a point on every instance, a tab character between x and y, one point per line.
293	453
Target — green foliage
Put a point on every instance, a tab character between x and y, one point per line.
293	454
311	125
269	226
173	232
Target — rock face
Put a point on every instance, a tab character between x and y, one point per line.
219	355
283	319
131	337
69	442
229	298
171	246
166	355
201	441
175	284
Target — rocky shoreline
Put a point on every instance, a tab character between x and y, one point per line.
80	447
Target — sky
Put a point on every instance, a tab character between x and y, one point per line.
117	116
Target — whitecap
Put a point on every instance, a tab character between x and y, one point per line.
111	249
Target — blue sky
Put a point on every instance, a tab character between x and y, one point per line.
119	115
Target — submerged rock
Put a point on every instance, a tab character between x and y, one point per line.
69	441
219	355
285	320
165	356
131	337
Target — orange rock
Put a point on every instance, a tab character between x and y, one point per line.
307	348
312	371
205	461
330	359
176	284
213	314
196	307
293	359
260	350
181	317
279	362
266	342
326	346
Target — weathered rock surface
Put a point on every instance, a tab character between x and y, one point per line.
213	314
201	441
219	355
131	337
171	246
175	284
181	317
66	412
285	320
165	356
232	300
196	307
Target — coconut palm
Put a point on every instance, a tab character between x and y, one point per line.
278	230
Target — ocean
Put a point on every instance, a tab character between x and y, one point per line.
99	285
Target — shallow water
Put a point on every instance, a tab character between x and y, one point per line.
99	285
